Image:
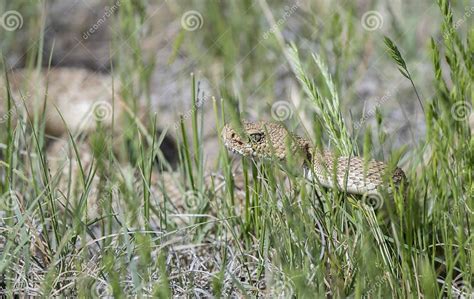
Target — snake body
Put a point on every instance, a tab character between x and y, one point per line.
350	174
77	93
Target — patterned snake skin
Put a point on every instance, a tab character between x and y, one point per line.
352	174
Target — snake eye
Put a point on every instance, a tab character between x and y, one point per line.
256	137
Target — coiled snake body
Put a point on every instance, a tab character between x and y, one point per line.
351	174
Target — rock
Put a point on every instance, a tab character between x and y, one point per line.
81	33
81	97
77	101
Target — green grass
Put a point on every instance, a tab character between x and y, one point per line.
274	233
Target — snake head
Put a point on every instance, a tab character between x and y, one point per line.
261	139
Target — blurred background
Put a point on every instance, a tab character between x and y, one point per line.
236	51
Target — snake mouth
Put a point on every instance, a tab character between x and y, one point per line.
229	147
238	148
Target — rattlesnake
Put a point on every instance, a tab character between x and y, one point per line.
82	93
264	139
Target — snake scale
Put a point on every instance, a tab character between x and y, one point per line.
77	92
264	139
